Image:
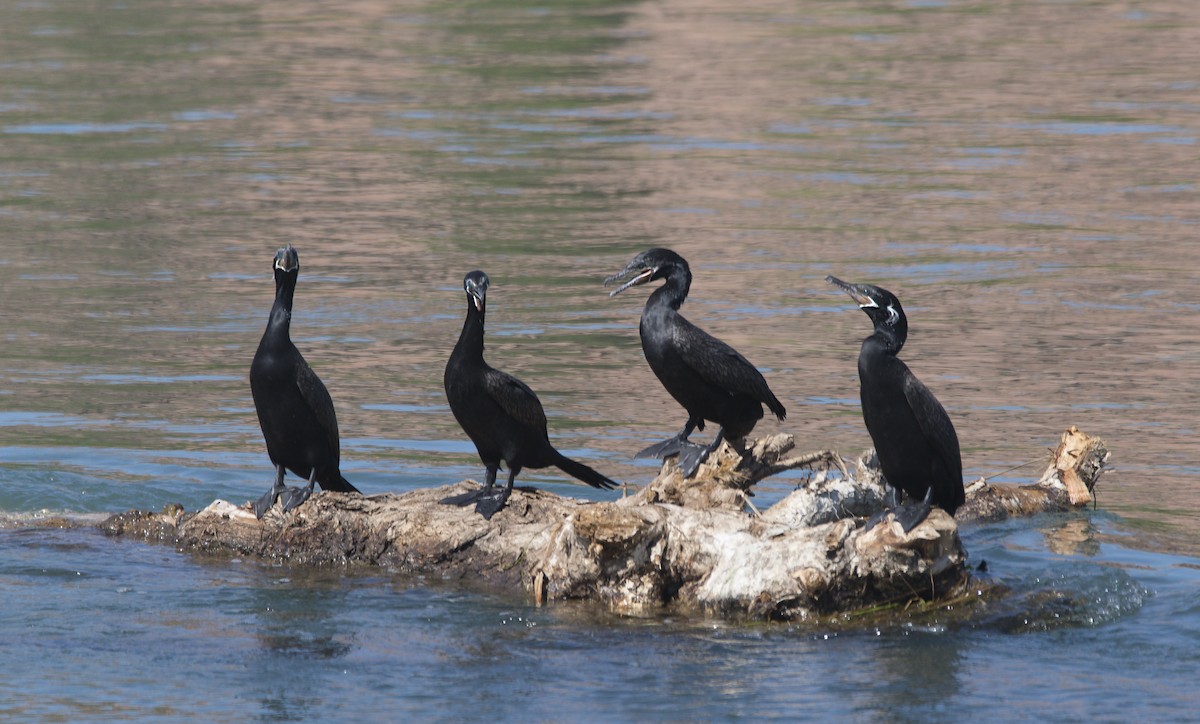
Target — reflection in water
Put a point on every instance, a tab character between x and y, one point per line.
1073	537
300	627
920	667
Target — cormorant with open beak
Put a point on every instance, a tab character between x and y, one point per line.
708	377
914	438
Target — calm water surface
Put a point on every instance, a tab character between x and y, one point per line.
1022	174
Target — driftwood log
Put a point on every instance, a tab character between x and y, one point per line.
691	545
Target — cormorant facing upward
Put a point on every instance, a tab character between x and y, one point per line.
914	438
501	415
295	411
705	375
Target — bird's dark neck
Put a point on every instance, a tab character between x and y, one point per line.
470	342
672	294
885	341
280	324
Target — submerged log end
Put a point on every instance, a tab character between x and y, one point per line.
145	524
1067	483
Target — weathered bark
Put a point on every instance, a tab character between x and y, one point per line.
692	545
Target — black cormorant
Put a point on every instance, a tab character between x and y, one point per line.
500	414
705	375
295	411
914	438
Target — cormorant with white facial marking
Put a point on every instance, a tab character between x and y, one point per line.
914	439
294	409
501	415
708	377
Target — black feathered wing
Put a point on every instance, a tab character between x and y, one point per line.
516	399
939	433
723	366
317	397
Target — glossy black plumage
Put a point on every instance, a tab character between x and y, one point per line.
501	415
914	437
294	409
708	377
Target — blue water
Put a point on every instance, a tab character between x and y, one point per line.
157	634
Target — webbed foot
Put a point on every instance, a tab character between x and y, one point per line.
876	519
908	515
292	498
664	449
690	459
462	499
691	454
490	504
263	504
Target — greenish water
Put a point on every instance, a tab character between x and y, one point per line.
1022	175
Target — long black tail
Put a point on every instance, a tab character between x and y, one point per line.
336	483
776	406
579	471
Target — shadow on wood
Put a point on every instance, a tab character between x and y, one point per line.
687	545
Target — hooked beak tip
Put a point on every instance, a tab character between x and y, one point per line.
642	277
861	299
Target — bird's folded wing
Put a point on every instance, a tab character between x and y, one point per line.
314	393
935	424
515	398
720	364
